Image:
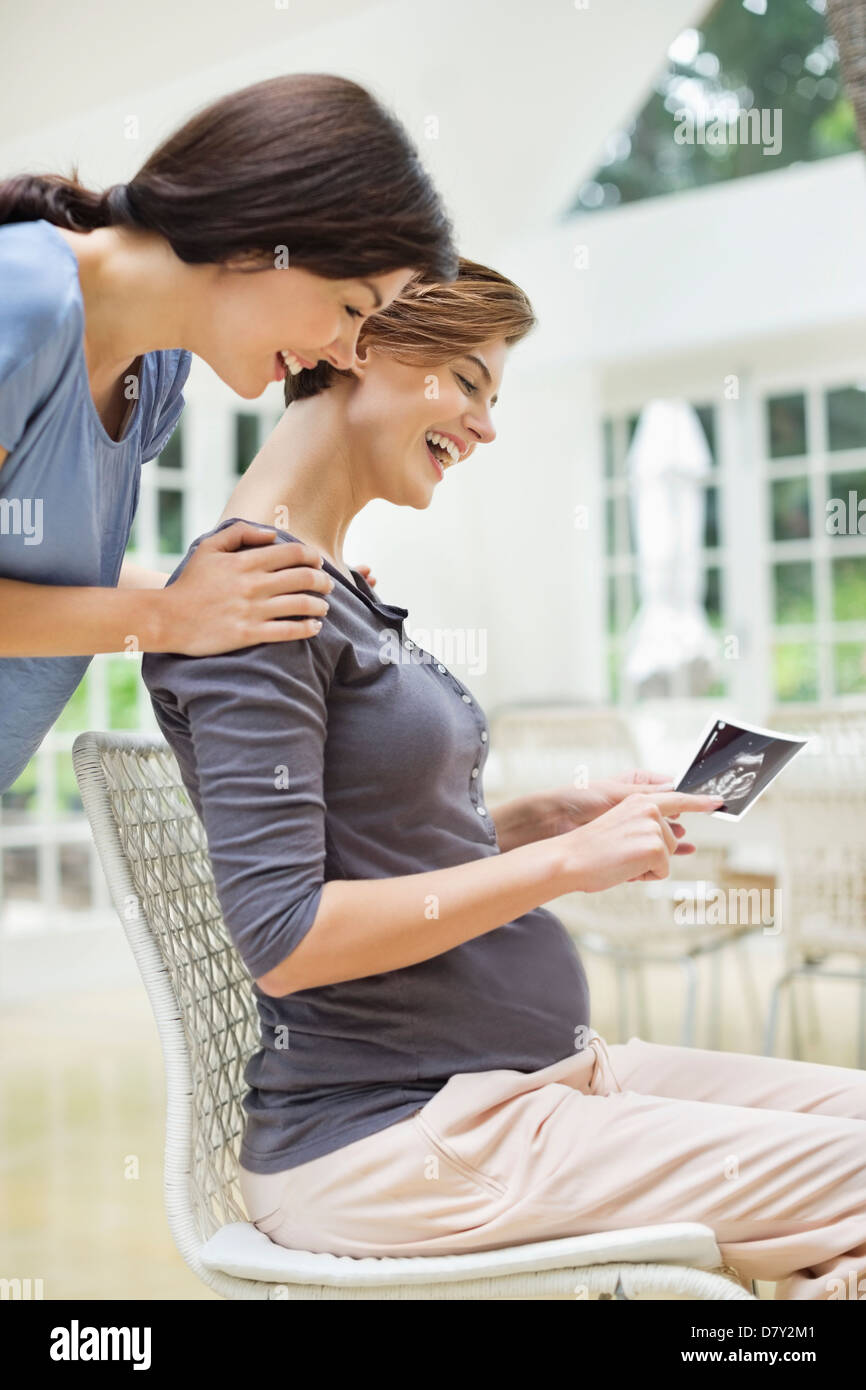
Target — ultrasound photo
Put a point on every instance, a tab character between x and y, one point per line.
738	762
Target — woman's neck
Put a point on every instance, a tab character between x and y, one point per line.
138	297
304	479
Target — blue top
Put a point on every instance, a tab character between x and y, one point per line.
68	492
355	754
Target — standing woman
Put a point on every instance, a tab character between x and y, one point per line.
259	236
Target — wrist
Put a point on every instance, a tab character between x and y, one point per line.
564	862
560	811
153	619
525	819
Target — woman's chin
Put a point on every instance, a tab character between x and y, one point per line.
411	494
247	387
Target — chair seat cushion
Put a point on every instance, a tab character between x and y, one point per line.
242	1250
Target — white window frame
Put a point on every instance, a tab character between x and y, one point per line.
743	473
205	479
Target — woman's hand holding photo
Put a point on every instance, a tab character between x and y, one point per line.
633	841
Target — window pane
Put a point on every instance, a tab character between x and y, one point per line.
711	517
786	426
622	601
246	440
795	670
846	503
75	876
713	596
849	588
608	448
794	600
21	873
707	416
613	660
172	454
123	681
790	508
20	798
170	521
846	418
849	667
611	603
610	525
68	796
619	535
73	718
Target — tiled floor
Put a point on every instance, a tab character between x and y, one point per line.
82	1128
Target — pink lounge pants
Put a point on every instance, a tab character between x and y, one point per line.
770	1153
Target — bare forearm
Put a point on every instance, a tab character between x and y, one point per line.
368	926
526	819
134	576
62	620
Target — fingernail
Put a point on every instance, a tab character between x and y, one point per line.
316	624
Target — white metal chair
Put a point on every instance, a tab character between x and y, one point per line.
631	926
636	924
533	746
820	802
154	852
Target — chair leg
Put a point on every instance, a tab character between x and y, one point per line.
716	966
773	1013
622	999
643	1022
750	993
688	1030
813	1024
796	1038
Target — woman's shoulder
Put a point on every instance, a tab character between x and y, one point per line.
38	282
170	368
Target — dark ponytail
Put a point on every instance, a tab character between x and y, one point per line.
63	201
309	162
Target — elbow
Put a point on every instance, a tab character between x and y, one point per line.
292	974
276	983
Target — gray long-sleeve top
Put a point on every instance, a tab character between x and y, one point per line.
355	754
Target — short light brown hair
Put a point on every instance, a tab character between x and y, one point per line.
429	324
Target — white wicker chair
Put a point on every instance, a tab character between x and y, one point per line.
154	852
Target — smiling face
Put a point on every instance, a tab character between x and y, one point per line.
265	323
410	424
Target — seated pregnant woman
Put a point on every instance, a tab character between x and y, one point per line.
428	1079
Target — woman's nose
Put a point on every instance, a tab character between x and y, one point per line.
341	352
482	428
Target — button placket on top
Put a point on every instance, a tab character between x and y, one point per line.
475	775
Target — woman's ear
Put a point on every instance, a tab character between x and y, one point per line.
361	363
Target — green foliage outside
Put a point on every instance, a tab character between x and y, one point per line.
780	60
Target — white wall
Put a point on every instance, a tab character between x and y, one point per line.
525	91
677	291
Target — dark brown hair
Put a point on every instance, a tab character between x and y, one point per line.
429	324
310	162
